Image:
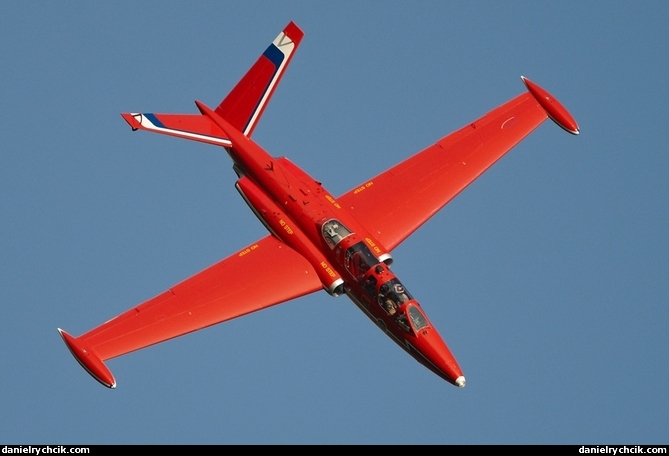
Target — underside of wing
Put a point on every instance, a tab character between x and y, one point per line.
395	203
264	274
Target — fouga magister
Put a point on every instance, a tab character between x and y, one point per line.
341	244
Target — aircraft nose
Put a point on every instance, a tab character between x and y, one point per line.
440	359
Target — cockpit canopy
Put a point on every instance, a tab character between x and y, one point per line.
359	259
392	298
417	319
333	232
394	291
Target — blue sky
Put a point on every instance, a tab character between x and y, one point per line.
548	277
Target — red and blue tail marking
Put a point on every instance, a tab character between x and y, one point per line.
243	106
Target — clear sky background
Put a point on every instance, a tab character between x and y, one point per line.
548	277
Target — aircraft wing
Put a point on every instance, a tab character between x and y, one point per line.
265	273
243	106
395	203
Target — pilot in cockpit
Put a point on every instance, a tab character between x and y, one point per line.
389	306
386	300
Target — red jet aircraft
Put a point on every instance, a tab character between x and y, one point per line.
317	241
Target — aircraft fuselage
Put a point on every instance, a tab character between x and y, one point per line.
347	258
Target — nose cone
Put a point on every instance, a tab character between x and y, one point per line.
434	354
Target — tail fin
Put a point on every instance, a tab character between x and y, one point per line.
243	106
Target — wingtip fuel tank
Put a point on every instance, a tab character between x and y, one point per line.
88	359
555	110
